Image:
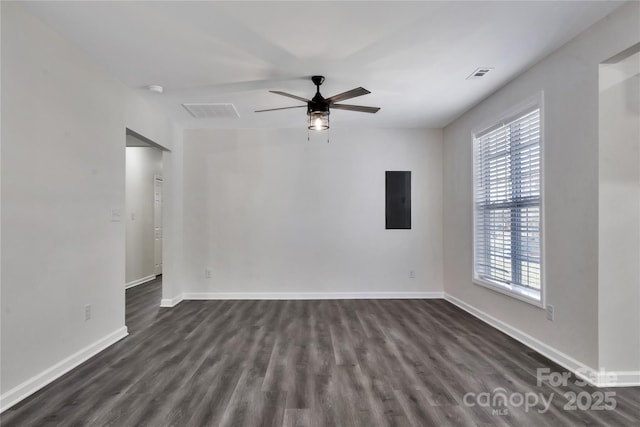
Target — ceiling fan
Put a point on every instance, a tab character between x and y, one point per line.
318	107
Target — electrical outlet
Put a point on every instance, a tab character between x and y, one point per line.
412	274
87	312
550	312
207	273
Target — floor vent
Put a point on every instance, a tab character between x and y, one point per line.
479	72
212	111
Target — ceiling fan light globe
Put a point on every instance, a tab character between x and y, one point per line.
318	120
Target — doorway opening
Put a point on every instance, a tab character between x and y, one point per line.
143	206
619	211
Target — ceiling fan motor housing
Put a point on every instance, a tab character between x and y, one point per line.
317	107
317	104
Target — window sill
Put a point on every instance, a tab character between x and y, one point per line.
529	296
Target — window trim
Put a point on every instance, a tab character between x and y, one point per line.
517	292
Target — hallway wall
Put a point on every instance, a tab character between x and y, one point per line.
142	165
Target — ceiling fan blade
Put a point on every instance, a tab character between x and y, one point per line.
359	91
283	108
299	98
360	108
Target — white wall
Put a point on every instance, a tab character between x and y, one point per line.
268	211
63	172
569	79
619	215
143	164
172	219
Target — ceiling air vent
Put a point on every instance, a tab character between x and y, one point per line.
479	72
212	111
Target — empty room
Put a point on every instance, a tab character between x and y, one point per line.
320	213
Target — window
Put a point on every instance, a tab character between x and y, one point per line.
507	206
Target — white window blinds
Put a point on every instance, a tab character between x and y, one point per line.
507	203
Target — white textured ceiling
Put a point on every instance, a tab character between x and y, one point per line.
413	56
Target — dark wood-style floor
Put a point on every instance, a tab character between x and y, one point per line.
307	363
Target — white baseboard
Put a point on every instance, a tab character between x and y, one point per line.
587	373
171	302
619	379
309	295
30	386
140	281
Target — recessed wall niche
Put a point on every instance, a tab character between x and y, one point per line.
398	200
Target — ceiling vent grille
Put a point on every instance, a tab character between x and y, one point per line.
479	72
212	111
